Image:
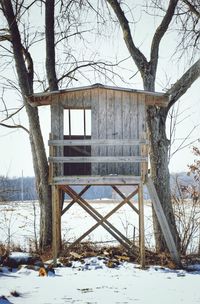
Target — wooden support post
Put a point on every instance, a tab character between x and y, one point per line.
141	225
163	222
51	165
56	222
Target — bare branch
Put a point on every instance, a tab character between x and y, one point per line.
138	57
184	83
5	37
14	127
160	32
192	8
183	144
72	35
13	114
50	44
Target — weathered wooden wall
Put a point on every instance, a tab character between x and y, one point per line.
56	134
117	115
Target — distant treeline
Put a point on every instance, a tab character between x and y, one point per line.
18	189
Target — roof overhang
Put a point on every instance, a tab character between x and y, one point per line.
48	98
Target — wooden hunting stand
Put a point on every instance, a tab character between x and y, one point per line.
114	154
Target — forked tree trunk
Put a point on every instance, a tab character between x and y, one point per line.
24	68
156	117
41	171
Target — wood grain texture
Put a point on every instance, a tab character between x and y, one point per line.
102	122
56	222
98	142
110	129
57	133
95	128
118	128
97	180
163	222
97	159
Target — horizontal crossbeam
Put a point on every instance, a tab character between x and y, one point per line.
98	159
97	180
98	142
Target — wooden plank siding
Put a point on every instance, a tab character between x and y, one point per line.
126	129
110	129
102	128
118	118
57	134
95	127
77	100
118	129
134	131
142	134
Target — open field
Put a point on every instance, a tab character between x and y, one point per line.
19	222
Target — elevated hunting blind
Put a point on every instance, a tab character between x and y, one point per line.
110	149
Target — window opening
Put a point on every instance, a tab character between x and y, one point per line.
77	122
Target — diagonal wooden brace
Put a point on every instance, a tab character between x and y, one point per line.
110	213
100	219
73	201
123	196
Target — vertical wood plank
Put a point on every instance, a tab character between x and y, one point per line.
95	127
134	121
57	132
142	133
56	221
163	222
141	225
103	128
126	128
118	122
85	99
51	165
111	168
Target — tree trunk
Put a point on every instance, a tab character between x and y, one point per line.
24	67
156	117
41	170
159	148
159	145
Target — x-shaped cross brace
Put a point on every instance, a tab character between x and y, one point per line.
124	241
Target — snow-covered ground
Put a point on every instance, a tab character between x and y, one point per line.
92	283
126	284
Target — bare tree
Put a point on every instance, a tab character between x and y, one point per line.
18	37
187	212
156	117
25	72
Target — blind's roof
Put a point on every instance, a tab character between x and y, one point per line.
46	98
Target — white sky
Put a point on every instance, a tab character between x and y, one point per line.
15	153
